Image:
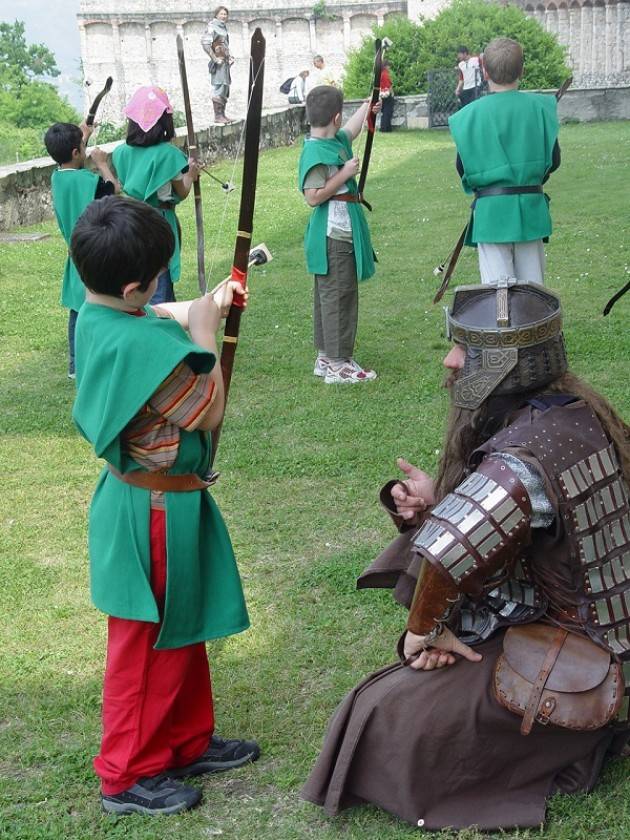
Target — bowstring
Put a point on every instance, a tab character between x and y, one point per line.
228	196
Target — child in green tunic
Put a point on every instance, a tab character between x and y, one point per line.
507	145
73	188
152	169
161	562
337	240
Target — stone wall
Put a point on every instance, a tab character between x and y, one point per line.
134	42
25	187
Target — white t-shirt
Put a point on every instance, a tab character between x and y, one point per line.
470	72
297	91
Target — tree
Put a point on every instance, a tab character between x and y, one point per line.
28	103
19	62
432	44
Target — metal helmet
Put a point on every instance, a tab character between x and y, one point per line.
512	333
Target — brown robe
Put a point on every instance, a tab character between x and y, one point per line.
435	748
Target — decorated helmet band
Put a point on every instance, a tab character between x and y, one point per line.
512	334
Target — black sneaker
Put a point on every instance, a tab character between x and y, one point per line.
220	755
153	795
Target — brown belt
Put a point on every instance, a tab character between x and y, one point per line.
166	205
350	198
161	481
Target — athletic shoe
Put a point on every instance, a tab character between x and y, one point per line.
322	366
153	795
371	374
220	755
72	375
349	372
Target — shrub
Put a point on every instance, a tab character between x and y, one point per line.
432	44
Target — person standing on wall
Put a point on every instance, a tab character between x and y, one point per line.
216	43
387	97
470	69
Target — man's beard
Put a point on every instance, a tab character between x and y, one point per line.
451	379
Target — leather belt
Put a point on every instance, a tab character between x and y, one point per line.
166	205
161	481
350	198
486	191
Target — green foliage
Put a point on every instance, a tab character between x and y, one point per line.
28	104
432	44
30	61
320	12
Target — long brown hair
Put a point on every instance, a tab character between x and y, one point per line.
468	429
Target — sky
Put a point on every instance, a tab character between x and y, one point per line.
58	31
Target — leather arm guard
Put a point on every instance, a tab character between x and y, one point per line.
472	534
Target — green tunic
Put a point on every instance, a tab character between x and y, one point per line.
333	152
507	139
72	191
121	361
142	170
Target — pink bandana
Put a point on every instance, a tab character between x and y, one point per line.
147	105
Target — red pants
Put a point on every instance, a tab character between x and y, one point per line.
157	704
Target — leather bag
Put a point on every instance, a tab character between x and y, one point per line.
549	675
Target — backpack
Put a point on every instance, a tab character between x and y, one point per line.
285	87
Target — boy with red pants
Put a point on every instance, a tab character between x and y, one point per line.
161	562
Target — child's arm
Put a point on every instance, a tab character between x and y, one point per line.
314	197
182	186
100	161
355	123
87	131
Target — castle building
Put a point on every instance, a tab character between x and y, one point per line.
134	41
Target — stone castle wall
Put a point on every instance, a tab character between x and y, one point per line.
134	42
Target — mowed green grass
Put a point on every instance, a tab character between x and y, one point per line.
301	466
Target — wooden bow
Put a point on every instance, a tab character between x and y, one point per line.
89	120
193	152
241	261
371	121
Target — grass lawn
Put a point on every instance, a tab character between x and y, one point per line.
301	466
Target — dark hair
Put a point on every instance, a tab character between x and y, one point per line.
117	241
61	140
161	132
462	49
322	104
218	9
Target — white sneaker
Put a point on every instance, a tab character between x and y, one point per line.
349	372
322	366
371	374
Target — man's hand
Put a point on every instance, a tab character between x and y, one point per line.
440	654
377	107
414	495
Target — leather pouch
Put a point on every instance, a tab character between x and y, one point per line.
548	675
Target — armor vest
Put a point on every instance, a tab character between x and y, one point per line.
583	567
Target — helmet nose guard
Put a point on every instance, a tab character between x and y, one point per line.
512	333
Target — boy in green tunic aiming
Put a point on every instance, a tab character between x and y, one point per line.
507	146
161	562
337	239
73	187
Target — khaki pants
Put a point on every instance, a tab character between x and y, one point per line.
336	302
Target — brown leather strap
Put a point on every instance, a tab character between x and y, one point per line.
537	689
164	483
350	198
